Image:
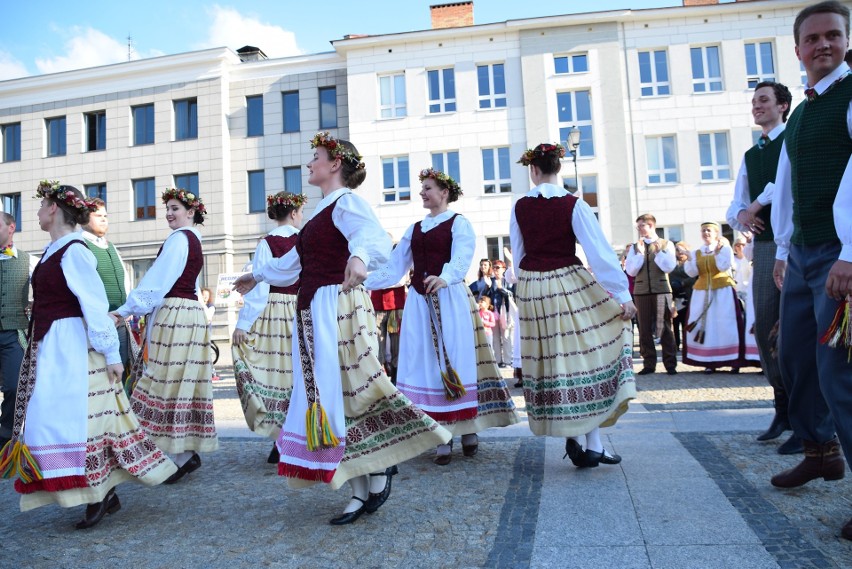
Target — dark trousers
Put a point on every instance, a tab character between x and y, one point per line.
11	355
767	304
646	310
821	377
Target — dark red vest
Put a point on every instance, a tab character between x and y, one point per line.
184	287
549	240
323	252
280	246
388	298
431	251
52	299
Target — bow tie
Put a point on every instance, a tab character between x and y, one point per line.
811	94
9	252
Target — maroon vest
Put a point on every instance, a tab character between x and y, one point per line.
388	298
184	287
431	251
549	240
279	247
323	252
52	299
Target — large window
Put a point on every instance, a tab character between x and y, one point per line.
11	141
96	191
396	184
143	124
290	104
186	119
95	131
442	90
574	109
12	206
55	136
138	268
715	159
187	182
759	64
494	246
256	191
392	101
588	189
662	159
654	73
706	69
578	63
293	179
254	115
496	170
448	163
492	86
328	107
145	198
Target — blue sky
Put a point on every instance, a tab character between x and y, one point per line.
46	36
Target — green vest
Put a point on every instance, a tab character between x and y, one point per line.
111	272
14	292
761	164
819	147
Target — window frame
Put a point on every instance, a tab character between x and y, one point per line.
706	81
100	191
61	135
445	164
297	170
256	197
759	75
143	132
192	178
254	123
663	171
491	99
12	205
322	115
492	246
99	130
570	63
654	84
15	148
715	168
149	209
394	108
441	100
186	129
398	193
285	95
499	181
586	149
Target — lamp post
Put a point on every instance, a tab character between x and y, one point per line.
573	144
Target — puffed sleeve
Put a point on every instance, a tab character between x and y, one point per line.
160	278
255	301
461	256
601	257
741	199
367	239
691	265
396	268
517	239
666	259
782	206
724	258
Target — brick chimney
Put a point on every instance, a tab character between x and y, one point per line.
454	15
700	2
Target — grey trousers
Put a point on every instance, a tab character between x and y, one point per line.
767	304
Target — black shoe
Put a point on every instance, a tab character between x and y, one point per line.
607	458
593	458
574	451
793	445
96	512
191	465
349	517
776	429
274	457
646	371
709	370
375	501
671	371
735	370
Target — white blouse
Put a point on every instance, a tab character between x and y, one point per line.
724	258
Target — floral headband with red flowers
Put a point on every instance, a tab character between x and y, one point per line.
54	190
444	179
287	200
540	151
336	150
190	200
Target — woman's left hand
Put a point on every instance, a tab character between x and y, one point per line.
245	283
356	273
434	283
114	372
628	310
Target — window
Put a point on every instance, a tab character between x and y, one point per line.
12	206
496	170
293	179
186	119
654	73
290	102
574	109
96	191
494	246
448	163
706	71
442	90
256	191
804	74
571	63
328	107
95	131
11	142
673	233
138	268
55	136
392	96
588	189
715	162
759	64
254	115
187	182
662	159
395	179
143	125
145	198
492	86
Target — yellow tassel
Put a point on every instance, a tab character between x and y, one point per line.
318	429
453	388
17	459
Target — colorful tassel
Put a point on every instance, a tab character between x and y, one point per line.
318	429
839	333
453	387
17	459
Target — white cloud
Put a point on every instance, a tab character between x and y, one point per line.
231	29
87	47
11	68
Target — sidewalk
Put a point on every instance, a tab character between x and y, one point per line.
692	492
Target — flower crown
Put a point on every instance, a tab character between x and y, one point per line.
287	200
539	151
53	189
335	149
185	197
444	179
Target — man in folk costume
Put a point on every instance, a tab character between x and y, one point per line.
750	210
813	230
650	261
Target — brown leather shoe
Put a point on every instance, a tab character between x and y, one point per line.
96	512
846	530
821	461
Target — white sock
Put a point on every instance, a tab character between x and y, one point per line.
444	449
360	489
593	440
377	483
471	439
181	458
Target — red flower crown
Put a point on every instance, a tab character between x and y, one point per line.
287	200
443	178
335	149
187	198
53	189
539	151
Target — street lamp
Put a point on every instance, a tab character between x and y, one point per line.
573	144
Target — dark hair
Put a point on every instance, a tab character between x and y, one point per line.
829	7
98	202
546	162
279	212
782	95
453	191
353	176
647	217
480	270
848	57
70	214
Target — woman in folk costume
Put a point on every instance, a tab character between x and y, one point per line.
75	437
576	339
173	398
445	366
346	421
262	341
715	329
